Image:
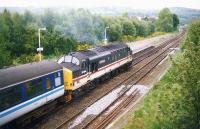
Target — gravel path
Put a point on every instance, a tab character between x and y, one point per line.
139	45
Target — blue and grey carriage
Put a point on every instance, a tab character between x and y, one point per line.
26	87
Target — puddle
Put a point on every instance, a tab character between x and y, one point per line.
99	106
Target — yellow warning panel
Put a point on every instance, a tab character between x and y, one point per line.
68	79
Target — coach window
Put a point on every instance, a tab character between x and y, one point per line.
57	77
128	51
125	52
108	60
10	97
94	66
75	61
48	83
122	53
113	57
116	57
119	54
34	88
83	65
61	60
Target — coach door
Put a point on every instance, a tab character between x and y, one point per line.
94	67
84	68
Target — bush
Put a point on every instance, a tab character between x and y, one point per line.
26	59
174	101
139	38
83	47
128	38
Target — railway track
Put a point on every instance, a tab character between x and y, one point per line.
131	98
51	107
104	122
136	76
143	54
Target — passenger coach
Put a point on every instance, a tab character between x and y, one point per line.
26	87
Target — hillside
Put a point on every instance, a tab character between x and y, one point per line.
185	14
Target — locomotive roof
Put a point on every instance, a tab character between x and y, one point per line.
94	53
114	47
17	74
71	66
111	47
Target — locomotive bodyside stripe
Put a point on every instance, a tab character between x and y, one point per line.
81	77
99	73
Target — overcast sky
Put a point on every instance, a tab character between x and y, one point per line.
141	4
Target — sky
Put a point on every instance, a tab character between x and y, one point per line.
137	4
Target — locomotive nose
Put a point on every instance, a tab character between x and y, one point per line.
68	77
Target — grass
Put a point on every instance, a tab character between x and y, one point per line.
160	108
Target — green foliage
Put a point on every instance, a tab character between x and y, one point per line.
161	107
174	101
25	59
128	38
83	46
189	72
4	57
19	37
128	28
115	32
194	33
144	28
165	21
19	32
175	21
139	38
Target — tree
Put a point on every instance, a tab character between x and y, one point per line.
151	27
114	32
175	21
188	73
19	32
128	28
165	21
49	19
5	59
142	29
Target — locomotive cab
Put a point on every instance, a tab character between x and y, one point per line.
76	65
73	67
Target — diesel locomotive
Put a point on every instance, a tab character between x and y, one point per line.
84	69
27	87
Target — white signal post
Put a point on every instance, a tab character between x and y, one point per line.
40	49
105	36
